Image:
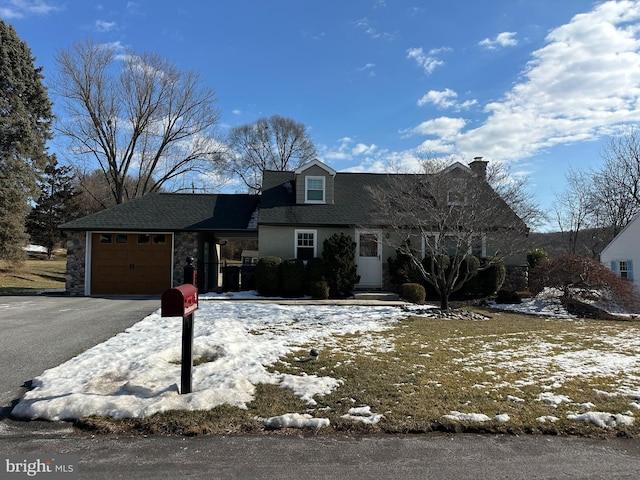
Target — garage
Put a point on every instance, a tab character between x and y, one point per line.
124	263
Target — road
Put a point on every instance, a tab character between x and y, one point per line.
296	457
42	332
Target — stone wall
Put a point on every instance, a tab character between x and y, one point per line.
76	253
185	244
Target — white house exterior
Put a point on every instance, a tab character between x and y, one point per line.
624	251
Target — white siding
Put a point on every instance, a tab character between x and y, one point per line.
625	248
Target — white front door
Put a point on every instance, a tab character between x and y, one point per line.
369	258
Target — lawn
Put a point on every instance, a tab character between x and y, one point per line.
36	274
410	372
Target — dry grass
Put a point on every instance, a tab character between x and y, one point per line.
423	369
36	274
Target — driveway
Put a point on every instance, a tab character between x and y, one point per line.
41	332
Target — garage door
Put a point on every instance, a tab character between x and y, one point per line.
130	264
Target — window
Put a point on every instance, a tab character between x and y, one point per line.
105	238
624	269
159	239
314	190
305	244
144	239
453	244
122	238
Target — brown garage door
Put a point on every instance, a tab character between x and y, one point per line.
130	264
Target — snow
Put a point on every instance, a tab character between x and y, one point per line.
136	373
295	420
602	419
363	414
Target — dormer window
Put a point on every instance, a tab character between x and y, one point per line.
314	190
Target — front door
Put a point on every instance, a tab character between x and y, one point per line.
369	258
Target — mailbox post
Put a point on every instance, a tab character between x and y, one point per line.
182	301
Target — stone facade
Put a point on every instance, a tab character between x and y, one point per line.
76	254
185	244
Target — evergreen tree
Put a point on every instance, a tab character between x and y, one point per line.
25	127
55	206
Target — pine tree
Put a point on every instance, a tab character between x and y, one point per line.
25	127
54	207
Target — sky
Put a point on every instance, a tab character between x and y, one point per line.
537	85
137	372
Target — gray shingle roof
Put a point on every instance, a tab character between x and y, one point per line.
351	207
174	212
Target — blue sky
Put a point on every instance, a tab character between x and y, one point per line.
537	84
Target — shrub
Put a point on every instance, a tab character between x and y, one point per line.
315	270
413	292
579	276
319	290
535	256
292	271
339	256
267	276
491	278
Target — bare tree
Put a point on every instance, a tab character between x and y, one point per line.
138	117
573	209
447	214
515	191
616	185
274	143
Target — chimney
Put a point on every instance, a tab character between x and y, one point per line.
479	167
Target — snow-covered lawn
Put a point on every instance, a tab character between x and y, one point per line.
136	373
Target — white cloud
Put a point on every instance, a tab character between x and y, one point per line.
504	39
582	84
445	99
443	127
362	149
104	26
23	8
427	61
365	24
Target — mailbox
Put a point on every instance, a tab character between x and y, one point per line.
179	301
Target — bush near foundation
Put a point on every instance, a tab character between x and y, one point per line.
413	292
268	276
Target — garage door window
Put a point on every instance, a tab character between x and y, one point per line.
159	239
122	238
144	239
105	238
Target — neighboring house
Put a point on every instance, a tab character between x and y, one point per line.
624	251
140	247
302	208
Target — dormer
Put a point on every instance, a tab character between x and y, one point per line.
314	183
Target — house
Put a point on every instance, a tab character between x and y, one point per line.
140	247
624	251
300	209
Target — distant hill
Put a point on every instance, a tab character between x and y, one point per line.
590	242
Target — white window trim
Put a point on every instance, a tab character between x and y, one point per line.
315	241
306	189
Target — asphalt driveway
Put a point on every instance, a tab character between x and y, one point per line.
41	332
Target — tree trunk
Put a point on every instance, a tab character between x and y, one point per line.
444	302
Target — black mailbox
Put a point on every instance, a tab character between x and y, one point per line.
179	301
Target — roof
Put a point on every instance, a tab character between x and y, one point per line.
174	212
622	233
278	205
352	205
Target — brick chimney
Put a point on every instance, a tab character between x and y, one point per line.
479	167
